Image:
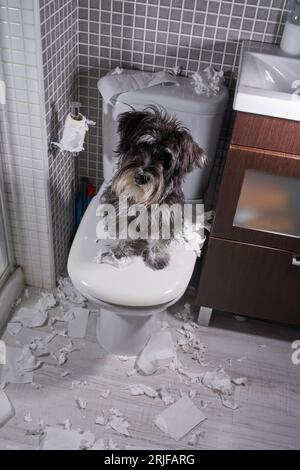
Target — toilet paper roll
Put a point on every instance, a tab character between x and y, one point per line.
74	133
7	410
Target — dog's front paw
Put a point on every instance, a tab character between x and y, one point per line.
156	260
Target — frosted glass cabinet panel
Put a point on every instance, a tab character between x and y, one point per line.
269	203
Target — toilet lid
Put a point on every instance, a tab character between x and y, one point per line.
134	284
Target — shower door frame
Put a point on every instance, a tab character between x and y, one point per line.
7	248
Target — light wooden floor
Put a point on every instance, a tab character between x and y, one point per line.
269	412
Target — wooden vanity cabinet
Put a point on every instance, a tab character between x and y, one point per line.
251	263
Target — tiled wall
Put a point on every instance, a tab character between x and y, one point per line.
59	30
157	34
23	141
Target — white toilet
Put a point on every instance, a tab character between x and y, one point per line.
130	298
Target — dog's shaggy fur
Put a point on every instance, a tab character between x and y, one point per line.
155	153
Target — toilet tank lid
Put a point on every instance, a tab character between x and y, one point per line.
178	98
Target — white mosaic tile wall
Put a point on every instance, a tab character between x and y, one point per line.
24	141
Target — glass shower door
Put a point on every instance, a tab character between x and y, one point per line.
4	263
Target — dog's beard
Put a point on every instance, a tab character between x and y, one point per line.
149	193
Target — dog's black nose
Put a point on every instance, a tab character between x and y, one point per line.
141	178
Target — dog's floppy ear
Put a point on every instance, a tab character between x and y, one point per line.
192	156
128	129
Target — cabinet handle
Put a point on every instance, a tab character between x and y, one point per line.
296	261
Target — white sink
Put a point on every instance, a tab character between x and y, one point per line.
268	83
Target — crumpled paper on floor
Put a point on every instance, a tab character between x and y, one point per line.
141	389
179	419
10	372
37	315
67	292
158	352
62	439
7	410
221	383
118	422
27	361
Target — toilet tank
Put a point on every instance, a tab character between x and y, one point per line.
201	114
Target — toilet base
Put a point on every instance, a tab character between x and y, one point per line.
125	334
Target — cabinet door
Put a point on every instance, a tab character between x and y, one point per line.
259	199
251	280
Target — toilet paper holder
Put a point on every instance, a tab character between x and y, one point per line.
75	128
75	110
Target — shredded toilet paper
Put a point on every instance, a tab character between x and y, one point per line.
208	82
74	134
113	84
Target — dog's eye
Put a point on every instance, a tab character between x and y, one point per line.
166	157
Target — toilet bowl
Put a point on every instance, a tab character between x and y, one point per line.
131	298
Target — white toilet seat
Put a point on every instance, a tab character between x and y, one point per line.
134	285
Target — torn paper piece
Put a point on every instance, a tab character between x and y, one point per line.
27	361
195	438
123	358
106	256
66	291
239	318
87	440
192	237
119	424
186	315
208	81
240	380
62	355
166	396
218	381
229	403
14	328
141	389
82	404
67	425
117	71
158	352
111	445
204	404
106	393
78	324
177	70
7	410
190	377
27	417
99	445
46	302
60	439
180	418
27	293
116	412
9	373
101	419
38	430
32	317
